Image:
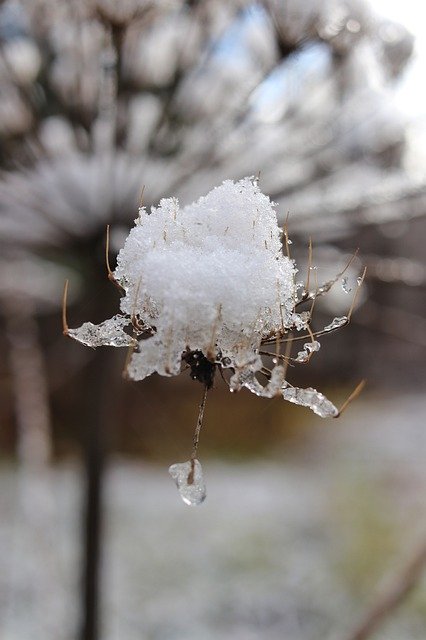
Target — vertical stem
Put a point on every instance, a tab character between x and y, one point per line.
94	466
100	402
196	436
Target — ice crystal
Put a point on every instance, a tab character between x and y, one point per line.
336	323
308	349
189	480
109	333
312	399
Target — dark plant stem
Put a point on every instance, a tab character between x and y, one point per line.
94	466
102	387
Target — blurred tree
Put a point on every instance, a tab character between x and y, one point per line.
101	97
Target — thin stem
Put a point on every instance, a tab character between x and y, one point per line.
359	285
398	590
326	286
308	275
65	327
196	436
355	393
287	244
287	355
110	273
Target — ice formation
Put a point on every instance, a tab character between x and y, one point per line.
208	285
189	480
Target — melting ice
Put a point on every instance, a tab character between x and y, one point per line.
189	480
336	323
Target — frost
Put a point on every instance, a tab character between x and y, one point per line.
312	399
189	480
109	333
336	323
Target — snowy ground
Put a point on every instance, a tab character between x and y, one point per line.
283	548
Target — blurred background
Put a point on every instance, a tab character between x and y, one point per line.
304	518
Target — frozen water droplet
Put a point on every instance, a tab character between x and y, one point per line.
359	280
312	346
313	268
345	286
275	360
109	333
312	399
302	356
308	348
189	480
336	323
289	241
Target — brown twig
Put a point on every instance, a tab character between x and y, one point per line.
393	596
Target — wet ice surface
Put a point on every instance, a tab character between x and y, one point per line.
189	480
336	323
109	333
272	554
312	399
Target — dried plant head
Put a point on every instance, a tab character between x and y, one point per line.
208	287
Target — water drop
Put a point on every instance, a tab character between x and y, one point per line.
189	480
359	280
345	286
312	346
302	356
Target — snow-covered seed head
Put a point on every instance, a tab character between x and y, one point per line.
205	286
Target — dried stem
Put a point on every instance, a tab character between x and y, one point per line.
287	354
392	597
65	327
355	393
141	196
308	275
359	285
196	437
287	244
326	286
110	273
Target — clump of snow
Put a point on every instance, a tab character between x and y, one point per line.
210	279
